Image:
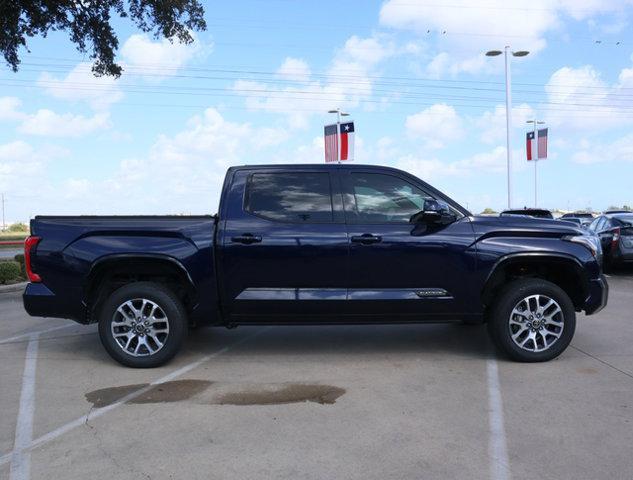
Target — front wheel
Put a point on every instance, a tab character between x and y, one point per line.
142	325
532	320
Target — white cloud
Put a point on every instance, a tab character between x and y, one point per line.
155	60
582	100
48	123
435	125
9	109
76	188
16	158
20	160
181	169
81	85
492	124
346	83
295	70
463	30
619	150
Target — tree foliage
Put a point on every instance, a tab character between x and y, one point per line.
18	227
88	23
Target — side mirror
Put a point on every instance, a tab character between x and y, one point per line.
435	212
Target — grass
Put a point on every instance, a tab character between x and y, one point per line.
13	236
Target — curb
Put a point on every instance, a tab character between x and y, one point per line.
16	287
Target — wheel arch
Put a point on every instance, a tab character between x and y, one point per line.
113	271
563	270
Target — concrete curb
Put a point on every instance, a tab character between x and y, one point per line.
16	287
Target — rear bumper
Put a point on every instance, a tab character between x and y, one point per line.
40	301
619	257
598	295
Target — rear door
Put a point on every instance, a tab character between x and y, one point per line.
399	268
284	245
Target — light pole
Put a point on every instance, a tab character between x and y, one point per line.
520	53
535	155
339	114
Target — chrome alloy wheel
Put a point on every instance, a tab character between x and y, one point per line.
140	327
536	323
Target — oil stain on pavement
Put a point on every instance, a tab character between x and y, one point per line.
284	393
175	391
180	390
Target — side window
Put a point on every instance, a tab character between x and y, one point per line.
378	198
302	197
599	224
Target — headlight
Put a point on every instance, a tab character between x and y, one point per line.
589	241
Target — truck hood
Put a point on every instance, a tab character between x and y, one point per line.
518	224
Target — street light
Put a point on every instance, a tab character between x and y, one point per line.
519	53
339	114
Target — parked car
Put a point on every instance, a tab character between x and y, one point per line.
578	215
297	244
574	220
528	212
616	237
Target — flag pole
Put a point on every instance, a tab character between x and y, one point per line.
535	140
535	123
338	135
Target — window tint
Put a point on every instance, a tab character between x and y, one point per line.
290	197
377	198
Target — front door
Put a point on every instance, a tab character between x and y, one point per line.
409	271
284	246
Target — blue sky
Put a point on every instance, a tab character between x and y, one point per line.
254	88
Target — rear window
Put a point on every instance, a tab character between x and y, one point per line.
301	197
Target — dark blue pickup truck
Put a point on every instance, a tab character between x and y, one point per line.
297	244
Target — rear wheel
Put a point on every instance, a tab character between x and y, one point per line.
533	320
142	325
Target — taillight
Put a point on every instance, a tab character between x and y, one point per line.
29	243
616	238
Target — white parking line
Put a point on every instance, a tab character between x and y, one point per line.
497	446
97	412
38	332
21	455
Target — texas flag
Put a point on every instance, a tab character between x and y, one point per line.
540	149
347	141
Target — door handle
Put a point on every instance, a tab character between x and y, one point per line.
246	239
366	239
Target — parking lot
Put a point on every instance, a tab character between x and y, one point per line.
353	402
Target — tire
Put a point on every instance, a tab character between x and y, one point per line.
152	341
515	312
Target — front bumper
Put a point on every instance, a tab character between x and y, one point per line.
598	295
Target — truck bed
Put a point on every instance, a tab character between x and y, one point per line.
73	248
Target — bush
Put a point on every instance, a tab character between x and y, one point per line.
20	259
18	227
9	271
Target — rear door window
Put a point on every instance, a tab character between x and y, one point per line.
299	197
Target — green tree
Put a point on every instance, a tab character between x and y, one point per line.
88	24
18	227
488	211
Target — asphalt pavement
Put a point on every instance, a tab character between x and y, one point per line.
348	402
10	252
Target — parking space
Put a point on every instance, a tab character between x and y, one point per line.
354	402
